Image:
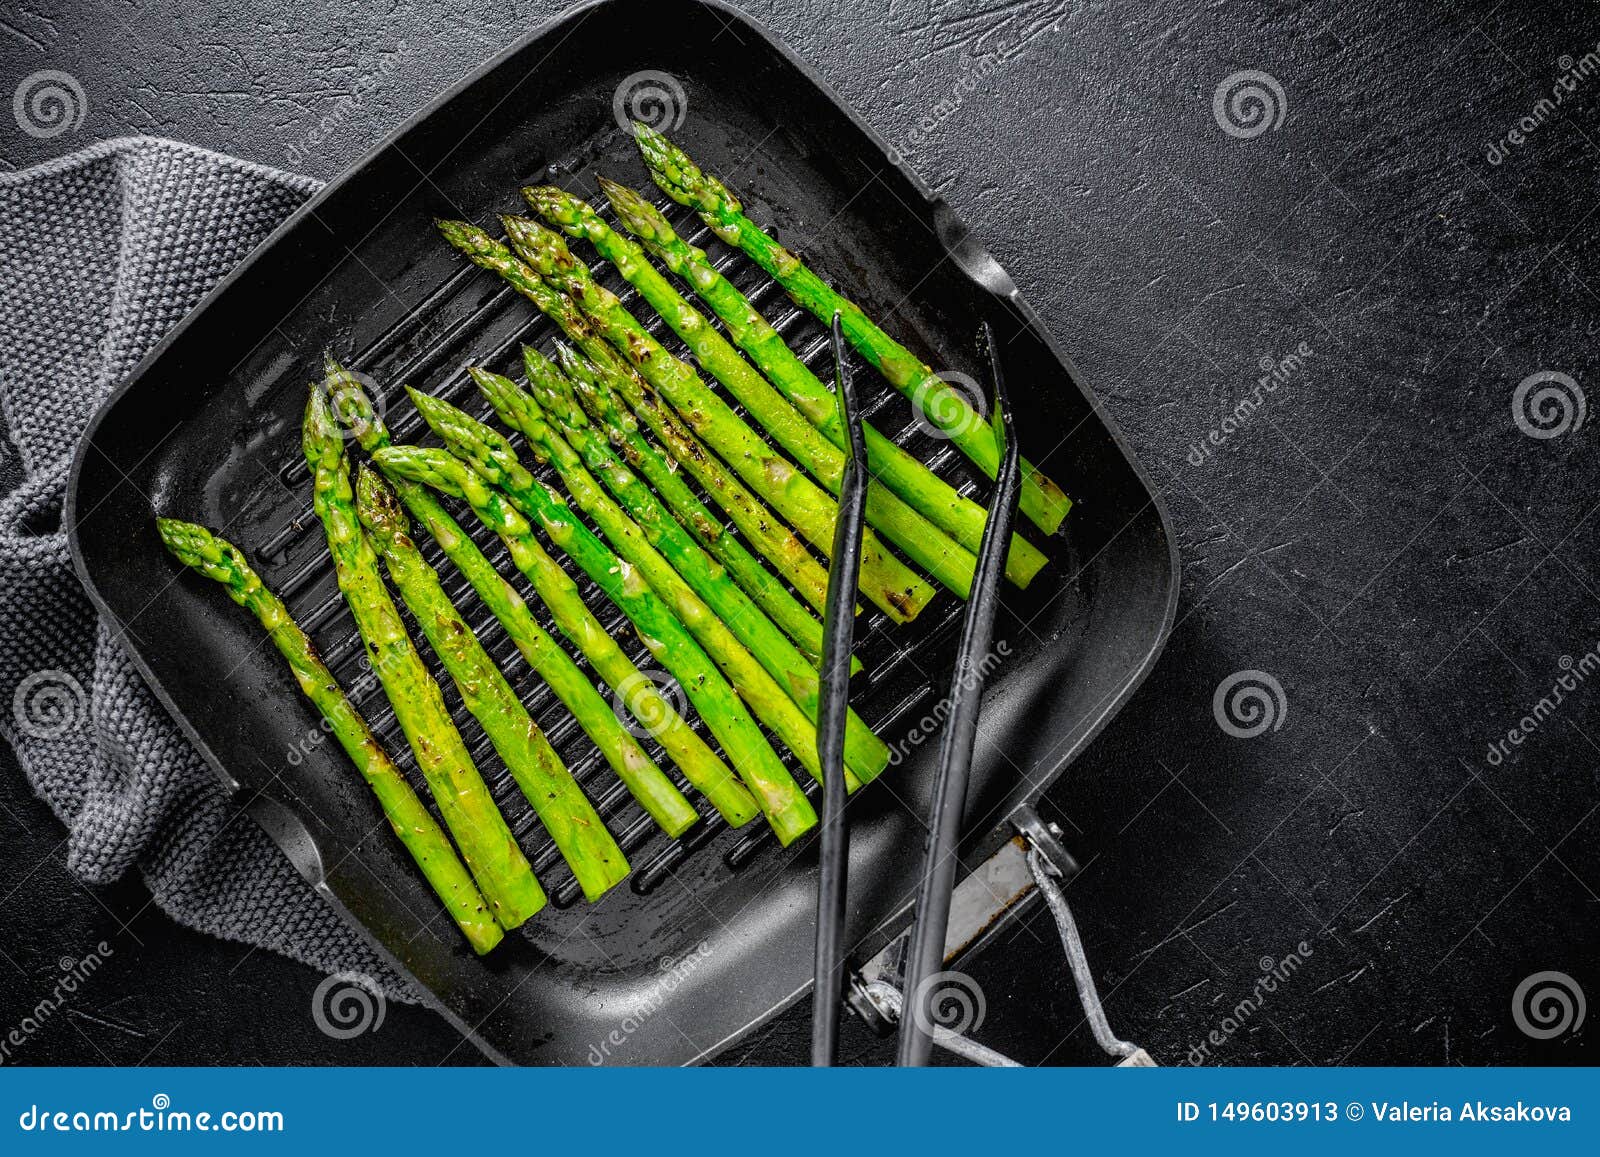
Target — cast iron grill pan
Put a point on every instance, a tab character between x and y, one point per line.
711	933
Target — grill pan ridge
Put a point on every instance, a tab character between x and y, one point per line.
711	934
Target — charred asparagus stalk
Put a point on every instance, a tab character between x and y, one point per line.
577	829
480	831
894	467
692	579
218	559
887	581
623	432
916	537
638	772
770	536
781	800
1042	500
487	452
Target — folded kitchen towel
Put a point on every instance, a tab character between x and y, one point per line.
101	253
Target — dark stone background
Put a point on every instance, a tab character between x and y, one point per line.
1380	537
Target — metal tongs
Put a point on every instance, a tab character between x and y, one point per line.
1047	863
955	752
838	640
925	956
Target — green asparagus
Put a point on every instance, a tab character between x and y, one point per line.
916	537
885	580
668	551
781	800
1041	500
623	431
218	559
775	541
894	467
637	771
577	829
480	831
491	455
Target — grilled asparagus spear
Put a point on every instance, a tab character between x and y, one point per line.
887	581
916	537
487	452
622	431
668	554
781	800
1042	500
766	532
654	791
577	829
469	811
218	559
894	467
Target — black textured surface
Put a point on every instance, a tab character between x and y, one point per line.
1380	536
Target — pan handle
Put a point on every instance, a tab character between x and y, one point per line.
1036	862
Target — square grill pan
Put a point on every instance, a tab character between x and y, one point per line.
712	934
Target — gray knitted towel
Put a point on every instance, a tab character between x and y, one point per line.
100	254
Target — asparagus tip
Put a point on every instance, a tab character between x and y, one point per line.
647	136
462	234
573	363
425	403
636	212
531	239
179	536
366	486
537	365
318	431
194	545
376	504
679	177
552	201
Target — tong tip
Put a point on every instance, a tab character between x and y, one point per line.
1001	420
843	378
